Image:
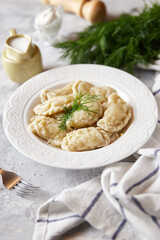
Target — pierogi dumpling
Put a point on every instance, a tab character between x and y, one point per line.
46	94
117	114
48	129
53	105
85	139
82	87
83	118
104	92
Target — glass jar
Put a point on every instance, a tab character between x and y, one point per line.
47	23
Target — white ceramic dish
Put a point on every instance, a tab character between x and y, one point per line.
18	111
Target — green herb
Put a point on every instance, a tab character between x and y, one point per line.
122	43
79	103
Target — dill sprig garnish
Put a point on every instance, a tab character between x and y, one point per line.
78	104
122	43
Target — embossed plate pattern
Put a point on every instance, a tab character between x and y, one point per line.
18	111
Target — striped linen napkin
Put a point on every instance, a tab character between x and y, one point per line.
124	203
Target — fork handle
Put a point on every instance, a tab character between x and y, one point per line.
1	181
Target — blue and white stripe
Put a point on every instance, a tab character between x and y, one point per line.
84	214
156	92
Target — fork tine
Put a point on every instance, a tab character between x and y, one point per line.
28	184
21	194
23	188
18	191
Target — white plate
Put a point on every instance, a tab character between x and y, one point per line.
19	110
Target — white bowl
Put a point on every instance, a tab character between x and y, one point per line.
18	112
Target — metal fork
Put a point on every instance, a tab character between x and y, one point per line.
15	183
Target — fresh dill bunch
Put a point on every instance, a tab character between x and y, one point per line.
79	103
122	43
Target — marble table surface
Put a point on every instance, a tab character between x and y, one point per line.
18	214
